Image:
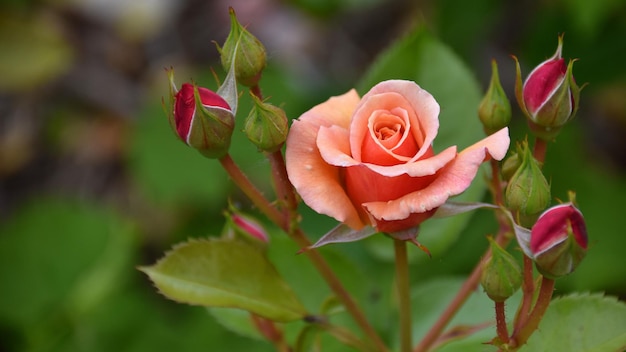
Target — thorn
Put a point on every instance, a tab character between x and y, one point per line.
422	247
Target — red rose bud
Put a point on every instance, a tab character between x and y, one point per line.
248	227
501	276
549	96
201	118
528	191
266	126
558	240
249	53
494	110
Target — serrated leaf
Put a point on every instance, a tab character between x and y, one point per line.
225	273
581	322
432	65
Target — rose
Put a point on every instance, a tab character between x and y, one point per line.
370	161
549	96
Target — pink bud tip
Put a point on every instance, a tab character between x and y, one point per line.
250	226
555	225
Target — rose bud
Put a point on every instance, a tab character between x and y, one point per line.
558	240
501	276
201	118
266	126
510	165
250	57
248	226
494	110
528	191
549	96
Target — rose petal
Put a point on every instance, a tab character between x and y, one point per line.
425	121
422	108
317	182
334	148
453	180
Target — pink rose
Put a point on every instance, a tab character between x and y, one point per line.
370	161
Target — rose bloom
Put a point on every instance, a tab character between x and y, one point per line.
370	161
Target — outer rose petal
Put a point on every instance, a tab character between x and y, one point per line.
318	182
453	179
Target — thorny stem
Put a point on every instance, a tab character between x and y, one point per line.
501	328
284	190
242	181
543	301
269	330
539	150
469	286
256	90
528	290
404	297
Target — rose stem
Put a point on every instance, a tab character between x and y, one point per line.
471	282
284	189
242	181
543	301
404	295
528	286
503	333
528	289
256	90
539	149
268	329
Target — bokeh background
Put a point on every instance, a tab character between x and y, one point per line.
93	183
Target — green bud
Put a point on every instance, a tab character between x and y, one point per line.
494	110
250	58
528	191
501	276
266	126
510	165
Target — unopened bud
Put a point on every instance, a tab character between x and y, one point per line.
501	276
200	118
528	191
250	58
558	240
266	126
494	110
510	165
549	96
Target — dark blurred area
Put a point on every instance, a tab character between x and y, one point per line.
82	129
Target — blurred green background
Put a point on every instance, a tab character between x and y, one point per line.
93	182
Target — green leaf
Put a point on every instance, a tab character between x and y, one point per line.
236	320
581	322
432	65
225	273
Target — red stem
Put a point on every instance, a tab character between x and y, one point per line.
284	190
528	290
543	301
540	149
503	332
